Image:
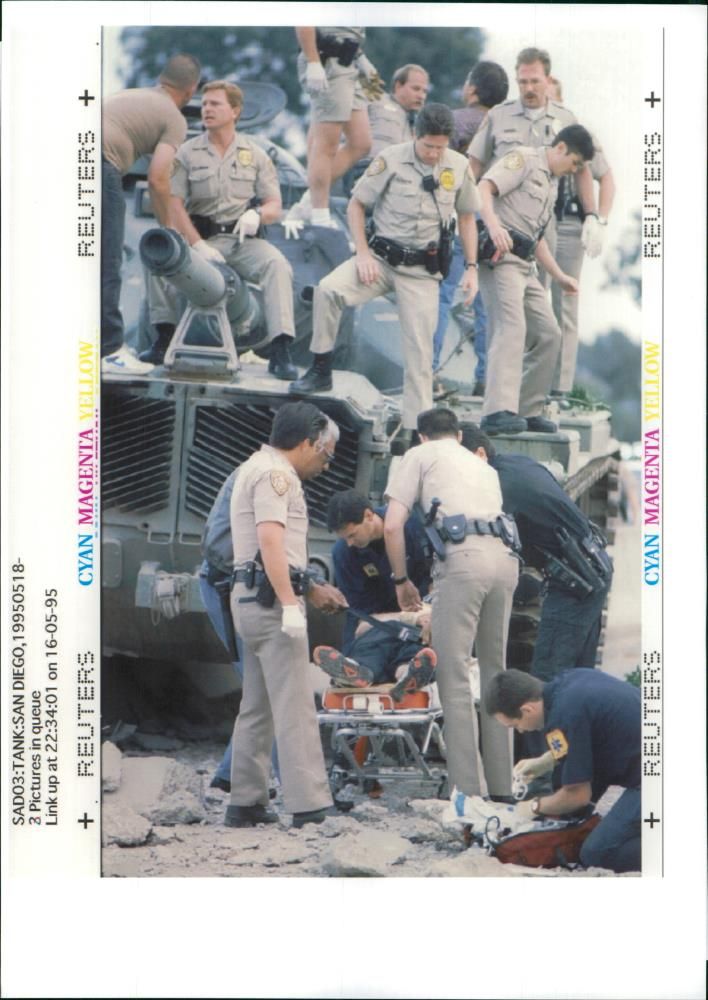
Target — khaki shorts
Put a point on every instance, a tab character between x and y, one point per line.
342	96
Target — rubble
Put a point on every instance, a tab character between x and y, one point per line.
160	789
369	853
122	826
111	767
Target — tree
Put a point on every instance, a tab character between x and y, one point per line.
270	54
624	266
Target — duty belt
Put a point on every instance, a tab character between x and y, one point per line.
207	227
251	577
344	50
522	246
455	529
573	208
395	254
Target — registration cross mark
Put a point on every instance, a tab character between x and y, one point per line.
651	819
84	820
86	97
652	100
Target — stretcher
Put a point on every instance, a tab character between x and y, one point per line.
377	740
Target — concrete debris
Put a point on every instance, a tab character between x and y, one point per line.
473	863
122	826
431	808
162	790
369	853
111	766
150	741
163	835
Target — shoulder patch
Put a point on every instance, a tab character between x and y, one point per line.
280	483
447	179
377	166
245	157
557	743
513	161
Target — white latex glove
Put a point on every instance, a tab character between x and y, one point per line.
248	224
315	78
208	252
293	228
592	236
535	767
293	623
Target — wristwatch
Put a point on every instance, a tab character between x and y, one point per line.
398	580
471	263
536	806
602	220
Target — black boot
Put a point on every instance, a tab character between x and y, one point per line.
317	378
155	354
280	364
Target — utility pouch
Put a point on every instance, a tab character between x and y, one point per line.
557	572
485	243
265	595
432	259
454	528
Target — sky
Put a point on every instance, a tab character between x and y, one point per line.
601	70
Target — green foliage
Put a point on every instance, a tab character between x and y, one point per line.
624	265
609	369
634	677
270	54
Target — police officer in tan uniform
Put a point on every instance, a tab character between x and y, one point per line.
392	119
518	195
269	517
473	588
532	120
224	187
334	71
412	189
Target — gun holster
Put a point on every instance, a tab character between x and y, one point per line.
454	528
223	589
447	236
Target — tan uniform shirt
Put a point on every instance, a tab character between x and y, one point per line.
598	168
135	121
222	188
402	210
527	190
268	489
509	125
463	482
389	124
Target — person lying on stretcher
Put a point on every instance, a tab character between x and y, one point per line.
380	656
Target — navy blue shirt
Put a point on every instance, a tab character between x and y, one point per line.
593	728
364	575
538	502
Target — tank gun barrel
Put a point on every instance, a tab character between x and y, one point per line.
166	254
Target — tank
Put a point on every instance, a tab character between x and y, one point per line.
172	436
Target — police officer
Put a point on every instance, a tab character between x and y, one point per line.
518	195
334	71
269	518
473	588
413	189
486	86
224	188
361	566
571	619
392	119
532	120
135	123
578	233
215	585
592	727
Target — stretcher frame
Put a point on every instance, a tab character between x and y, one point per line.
372	714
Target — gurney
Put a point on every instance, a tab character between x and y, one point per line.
375	739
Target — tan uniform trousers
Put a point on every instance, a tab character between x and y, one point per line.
550	234
254	260
472	599
523	338
569	256
417	295
277	701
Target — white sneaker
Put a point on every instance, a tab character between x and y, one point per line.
124	362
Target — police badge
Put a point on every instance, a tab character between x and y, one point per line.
245	157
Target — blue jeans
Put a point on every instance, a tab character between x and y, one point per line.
112	237
381	652
448	288
212	603
616	842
